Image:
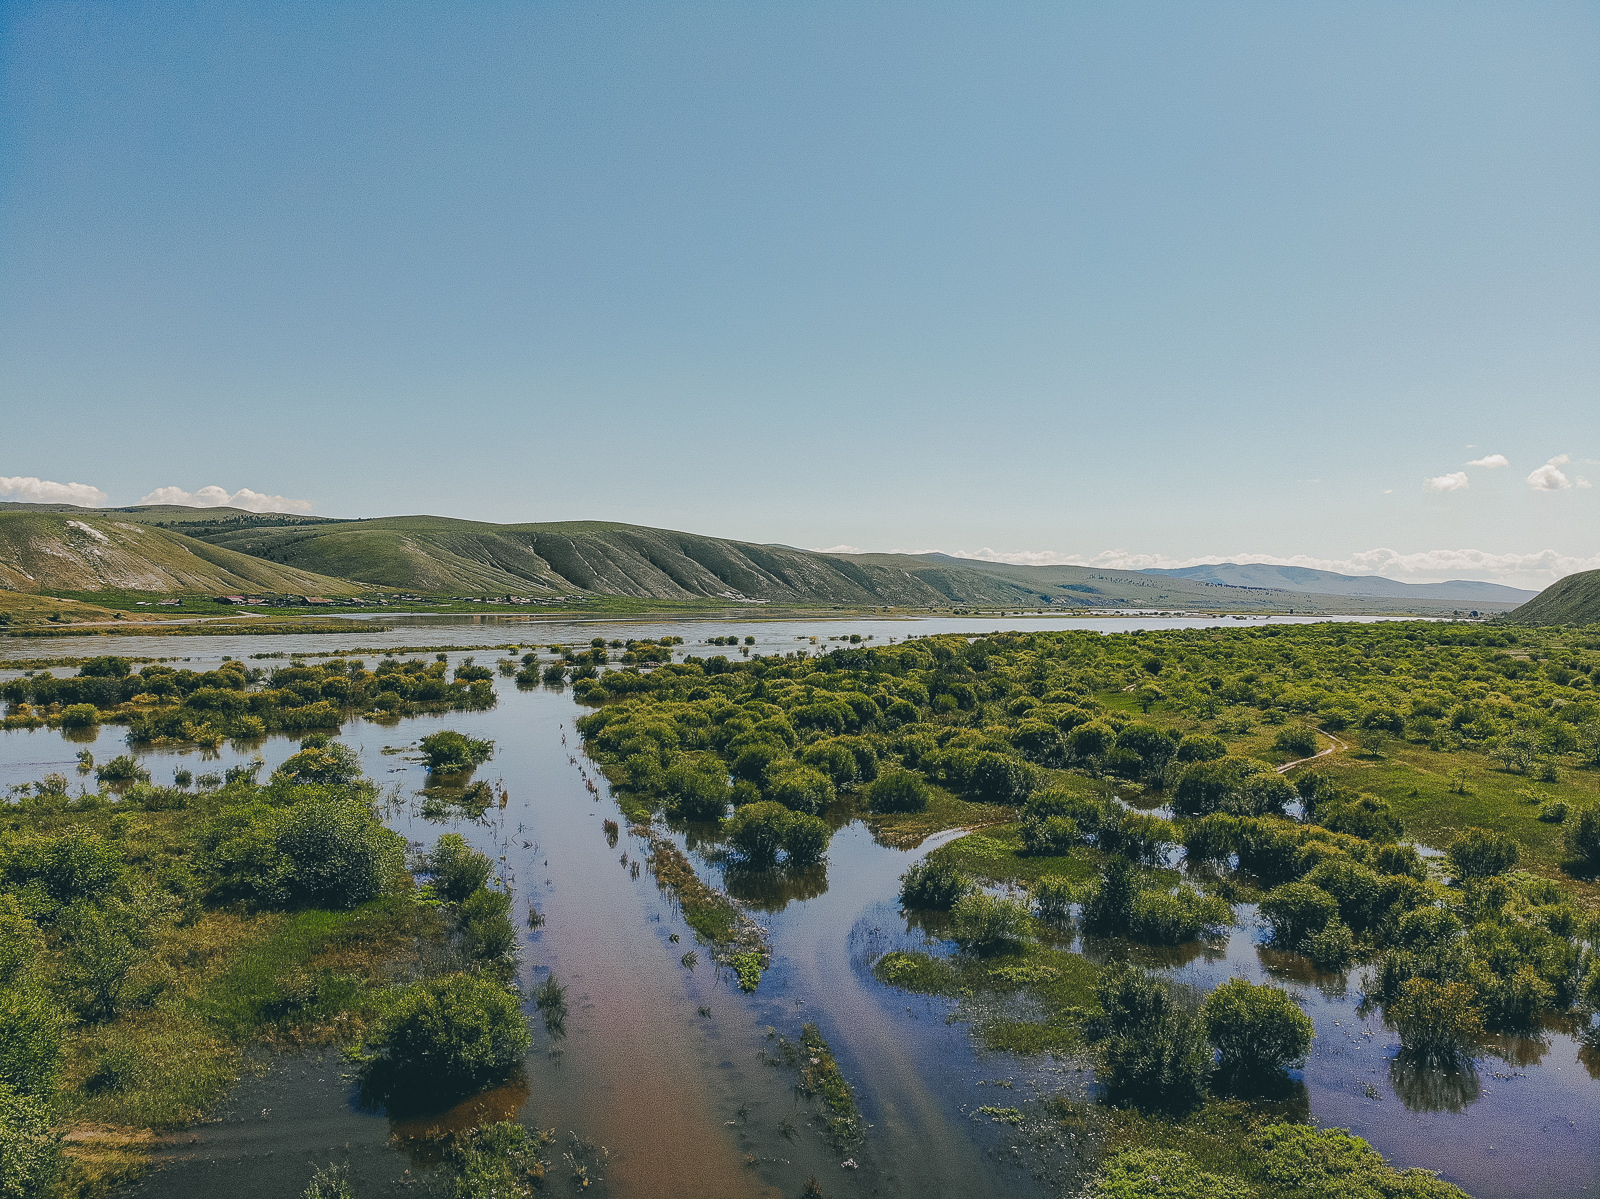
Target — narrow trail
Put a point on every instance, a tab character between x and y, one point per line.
1337	745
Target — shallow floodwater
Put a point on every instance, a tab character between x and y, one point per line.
660	1098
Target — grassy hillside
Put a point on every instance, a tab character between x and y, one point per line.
433	555
1572	600
86	550
1327	582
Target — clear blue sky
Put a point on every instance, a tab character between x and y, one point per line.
1176	279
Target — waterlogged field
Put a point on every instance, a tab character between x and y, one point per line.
816	1027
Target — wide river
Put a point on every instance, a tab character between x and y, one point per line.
665	1082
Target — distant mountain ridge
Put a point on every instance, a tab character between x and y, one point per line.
217	549
1327	582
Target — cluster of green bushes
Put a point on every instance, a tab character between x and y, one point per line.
162	704
1275	1159
106	900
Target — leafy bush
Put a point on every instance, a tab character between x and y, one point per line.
1162	1174
79	716
124	768
934	885
1257	1030
805	840
1053	836
1156	1056
1171	918
1437	1022
449	751
1054	896
329	853
1481	852
697	789
486	925
1582	837
1334	947
458	870
30	1154
986	925
799	788
898	791
321	761
1296	740
449	1036
1297	912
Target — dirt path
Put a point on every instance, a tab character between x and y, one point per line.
1337	745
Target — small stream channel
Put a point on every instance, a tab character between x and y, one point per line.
661	1099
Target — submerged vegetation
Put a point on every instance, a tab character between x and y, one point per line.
149	938
1292	761
163	705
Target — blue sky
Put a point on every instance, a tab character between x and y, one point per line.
1125	283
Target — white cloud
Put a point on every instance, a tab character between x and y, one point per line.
1492	462
840	549
29	490
1454	481
1536	570
1550	477
217	497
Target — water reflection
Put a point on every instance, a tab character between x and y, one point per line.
774	889
425	1137
1426	1088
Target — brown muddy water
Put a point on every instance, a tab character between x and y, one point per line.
661	1084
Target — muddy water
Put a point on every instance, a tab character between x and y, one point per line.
661	1098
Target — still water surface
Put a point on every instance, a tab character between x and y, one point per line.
664	1099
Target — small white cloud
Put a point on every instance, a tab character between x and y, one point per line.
1388	491
1550	476
1492	462
29	490
840	549
1454	481
1583	484
217	497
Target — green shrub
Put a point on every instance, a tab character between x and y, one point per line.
1481	852
1334	947
756	831
1162	1174
898	791
79	716
458	870
486	925
1054	896
1257	1030
934	885
321	761
1297	912
799	788
1296	740
1582	837
1140	836
1201	747
1437	1022
30	1153
1171	918
1211	838
1108	906
697	789
30	1020
498	1161
1155	1052
449	751
805	840
337	855
124	768
985	925
1298	1160
1053	836
449	1036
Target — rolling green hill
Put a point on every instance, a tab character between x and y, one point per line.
1572	600
88	549
209	549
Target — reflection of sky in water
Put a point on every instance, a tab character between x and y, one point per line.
1524	1123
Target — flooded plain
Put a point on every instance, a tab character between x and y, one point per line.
668	1080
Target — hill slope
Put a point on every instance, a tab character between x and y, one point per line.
1572	600
439	555
88	549
1327	582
